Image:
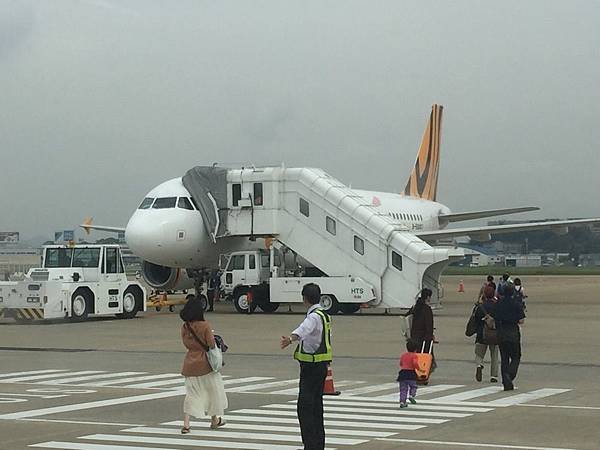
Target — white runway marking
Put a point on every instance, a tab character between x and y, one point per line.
471	444
366	418
225	433
403	412
231	424
338	384
92	377
422	391
372	388
393	427
83	422
29	372
561	406
254	387
466	395
394	406
187	442
132	379
90	405
86	446
527	396
48	376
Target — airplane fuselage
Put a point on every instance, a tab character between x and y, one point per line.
167	229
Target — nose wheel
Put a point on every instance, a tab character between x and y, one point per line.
200	277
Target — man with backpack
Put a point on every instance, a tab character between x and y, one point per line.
486	336
509	315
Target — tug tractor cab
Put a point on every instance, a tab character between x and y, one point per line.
74	281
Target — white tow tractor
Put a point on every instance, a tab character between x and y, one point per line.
74	281
260	278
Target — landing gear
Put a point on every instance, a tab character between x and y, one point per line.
200	277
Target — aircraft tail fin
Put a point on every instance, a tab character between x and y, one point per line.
424	177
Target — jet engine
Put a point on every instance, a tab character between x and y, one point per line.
164	278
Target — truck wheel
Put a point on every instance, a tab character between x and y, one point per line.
204	302
329	303
269	307
240	301
131	300
349	308
81	303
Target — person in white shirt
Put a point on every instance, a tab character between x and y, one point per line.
314	354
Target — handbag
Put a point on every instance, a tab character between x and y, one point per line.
214	355
471	328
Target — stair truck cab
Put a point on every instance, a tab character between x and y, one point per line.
74	281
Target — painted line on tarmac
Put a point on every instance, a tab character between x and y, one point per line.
561	406
43	378
366	418
90	405
467	395
29	372
86	446
471	444
186	442
207	432
84	422
527	396
376	411
287	429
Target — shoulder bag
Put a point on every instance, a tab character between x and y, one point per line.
471	328
214	355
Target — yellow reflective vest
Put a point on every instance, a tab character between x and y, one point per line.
323	353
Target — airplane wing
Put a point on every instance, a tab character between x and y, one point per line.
459	217
483	233
87	226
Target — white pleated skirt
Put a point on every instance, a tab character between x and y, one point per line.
205	396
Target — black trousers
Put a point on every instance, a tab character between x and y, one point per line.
510	358
310	405
210	293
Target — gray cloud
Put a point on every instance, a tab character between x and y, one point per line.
102	100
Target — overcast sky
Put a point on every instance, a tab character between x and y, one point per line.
101	100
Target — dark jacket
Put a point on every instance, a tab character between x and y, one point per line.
509	311
422	323
488	306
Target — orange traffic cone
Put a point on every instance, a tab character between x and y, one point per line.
328	387
461	286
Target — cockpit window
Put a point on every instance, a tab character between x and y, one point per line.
164	202
146	203
184	203
194	203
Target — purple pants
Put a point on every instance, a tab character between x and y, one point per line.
405	387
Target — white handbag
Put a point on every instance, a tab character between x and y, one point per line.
214	355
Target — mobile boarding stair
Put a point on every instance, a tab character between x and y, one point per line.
325	222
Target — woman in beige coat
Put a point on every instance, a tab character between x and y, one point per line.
204	389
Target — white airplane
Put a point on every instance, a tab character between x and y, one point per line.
168	232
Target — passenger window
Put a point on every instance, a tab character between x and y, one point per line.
304	207
236	193
330	225
238	262
258	194
164	203
184	203
359	245
251	261
396	260
111	260
146	203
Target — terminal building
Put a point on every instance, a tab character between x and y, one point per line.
18	261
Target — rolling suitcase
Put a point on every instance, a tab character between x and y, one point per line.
425	361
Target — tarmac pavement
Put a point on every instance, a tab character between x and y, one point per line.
114	384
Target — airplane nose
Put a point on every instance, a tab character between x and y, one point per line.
144	237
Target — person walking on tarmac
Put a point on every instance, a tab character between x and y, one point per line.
314	353
214	285
509	315
421	330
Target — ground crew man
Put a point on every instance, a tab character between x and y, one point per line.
314	354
